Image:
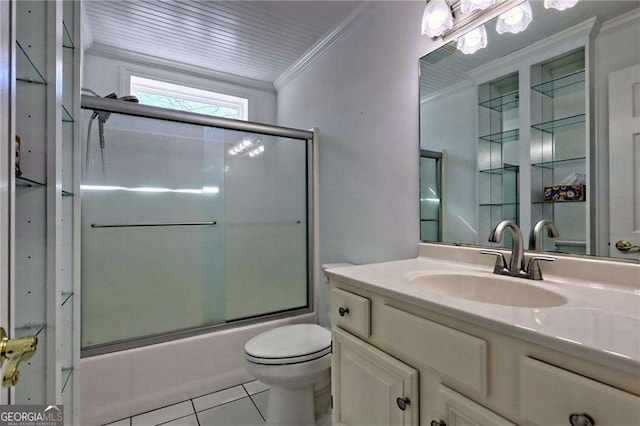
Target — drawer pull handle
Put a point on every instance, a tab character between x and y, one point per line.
343	311
581	420
403	402
438	423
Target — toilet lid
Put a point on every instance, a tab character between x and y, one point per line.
289	344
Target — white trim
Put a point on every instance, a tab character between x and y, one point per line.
621	21
165	65
86	40
562	41
321	46
449	90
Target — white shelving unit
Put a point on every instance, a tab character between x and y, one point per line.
498	152
45	211
542	128
559	147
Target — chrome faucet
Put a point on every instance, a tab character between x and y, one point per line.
516	266
535	238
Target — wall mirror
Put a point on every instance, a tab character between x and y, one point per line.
542	124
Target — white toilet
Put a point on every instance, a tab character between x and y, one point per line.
291	359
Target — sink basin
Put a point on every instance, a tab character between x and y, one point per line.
489	288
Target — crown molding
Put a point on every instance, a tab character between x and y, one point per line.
106	51
322	45
574	36
448	91
621	21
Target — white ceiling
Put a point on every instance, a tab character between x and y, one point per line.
439	70
253	39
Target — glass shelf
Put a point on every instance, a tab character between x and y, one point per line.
66	376
497	204
66	115
30	330
560	86
23	181
552	126
503	103
508	168
560	163
65	297
502	137
26	70
66	37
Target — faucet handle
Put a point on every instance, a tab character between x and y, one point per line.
533	267
500	260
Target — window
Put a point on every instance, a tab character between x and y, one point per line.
183	98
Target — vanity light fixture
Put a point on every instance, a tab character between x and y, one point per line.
467	6
473	41
515	20
559	4
437	18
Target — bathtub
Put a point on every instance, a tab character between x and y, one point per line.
125	383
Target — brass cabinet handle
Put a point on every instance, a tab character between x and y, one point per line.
582	419
15	351
624	245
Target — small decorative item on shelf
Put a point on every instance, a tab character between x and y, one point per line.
563	193
18	167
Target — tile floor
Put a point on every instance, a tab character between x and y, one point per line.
245	405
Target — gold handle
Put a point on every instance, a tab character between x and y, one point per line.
15	351
624	245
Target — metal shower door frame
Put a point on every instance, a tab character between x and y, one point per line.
309	137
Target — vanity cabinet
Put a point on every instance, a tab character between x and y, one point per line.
371	387
458	373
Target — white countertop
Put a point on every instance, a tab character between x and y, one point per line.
600	322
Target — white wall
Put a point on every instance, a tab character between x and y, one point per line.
456	134
106	74
362	95
616	49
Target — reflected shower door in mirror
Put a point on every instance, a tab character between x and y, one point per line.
539	125
430	195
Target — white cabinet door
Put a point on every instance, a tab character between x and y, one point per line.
624	159
456	410
371	387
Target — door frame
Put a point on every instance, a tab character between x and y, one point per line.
7	155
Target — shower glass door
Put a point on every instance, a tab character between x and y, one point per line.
187	226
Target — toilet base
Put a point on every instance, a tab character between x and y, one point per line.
291	406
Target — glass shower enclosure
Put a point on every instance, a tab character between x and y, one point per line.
190	223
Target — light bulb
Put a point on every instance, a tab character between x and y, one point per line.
467	6
473	41
437	18
515	20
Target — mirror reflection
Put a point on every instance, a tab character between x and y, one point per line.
541	125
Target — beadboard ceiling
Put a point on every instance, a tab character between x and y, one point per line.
447	66
252	39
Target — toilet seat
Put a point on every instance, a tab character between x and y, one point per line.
291	344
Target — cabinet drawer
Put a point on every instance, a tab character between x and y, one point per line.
456	410
453	353
351	312
550	395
